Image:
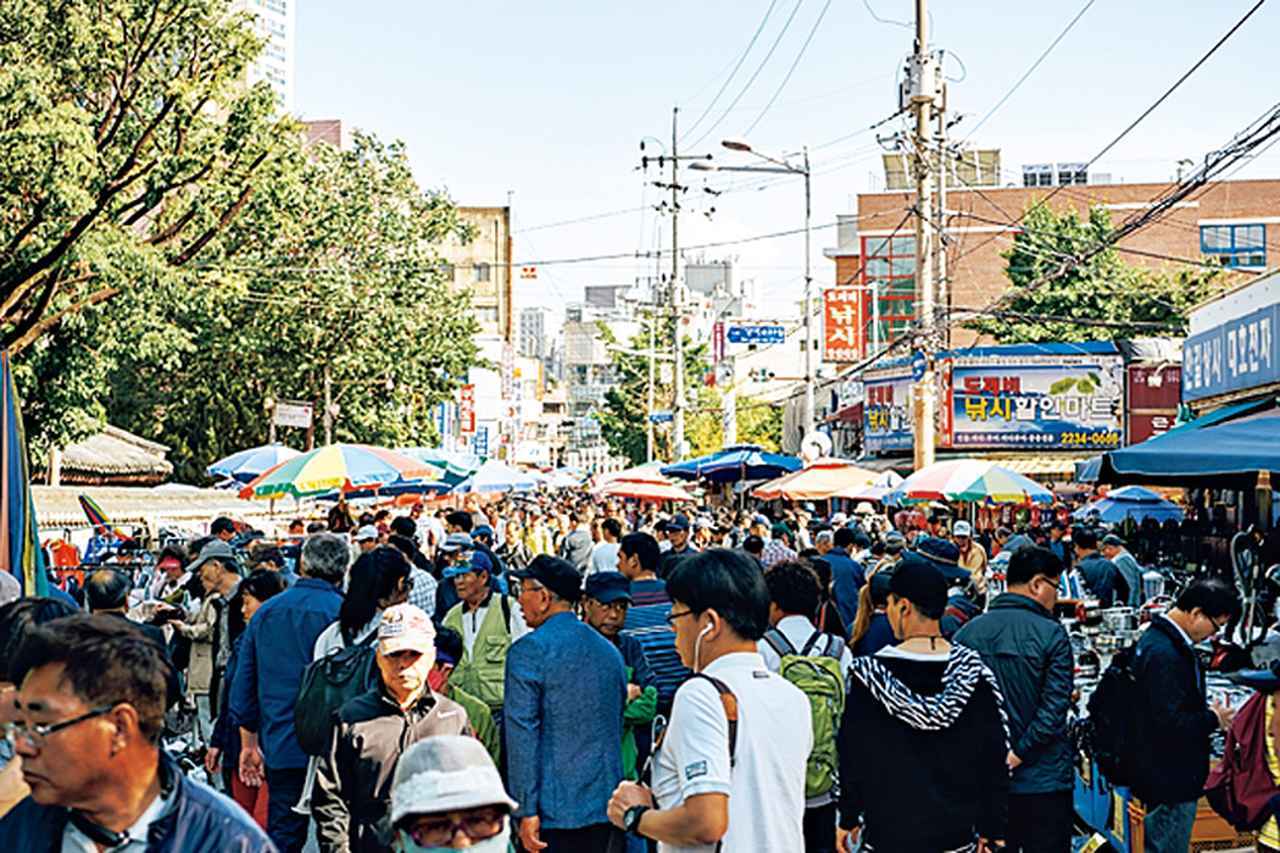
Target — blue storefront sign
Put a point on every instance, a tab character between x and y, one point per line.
480	443
757	334
886	409
1234	355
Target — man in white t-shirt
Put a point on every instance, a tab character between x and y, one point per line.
604	554
700	799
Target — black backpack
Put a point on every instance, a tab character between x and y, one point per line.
1112	730
327	684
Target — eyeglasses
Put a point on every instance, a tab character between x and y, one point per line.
36	735
437	830
519	588
672	617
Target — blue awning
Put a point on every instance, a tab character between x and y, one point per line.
1225	449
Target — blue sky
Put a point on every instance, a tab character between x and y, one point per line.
548	101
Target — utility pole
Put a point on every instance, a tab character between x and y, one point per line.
923	93
328	407
653	343
808	307
677	408
940	220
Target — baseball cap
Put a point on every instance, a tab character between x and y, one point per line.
918	581
482	530
608	587
962	528
678	522
215	549
760	518
839	519
938	549
458	542
1112	539
364	534
894	541
779	529
405	627
480	562
555	574
446	773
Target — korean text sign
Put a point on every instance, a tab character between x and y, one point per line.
842	324
886	410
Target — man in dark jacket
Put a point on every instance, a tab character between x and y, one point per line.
923	748
1176	722
847	576
1101	576
89	712
352	793
1030	654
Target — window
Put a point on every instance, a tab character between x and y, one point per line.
482	272
1243	246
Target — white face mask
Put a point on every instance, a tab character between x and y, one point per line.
498	844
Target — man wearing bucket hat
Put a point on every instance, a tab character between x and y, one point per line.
447	795
353	783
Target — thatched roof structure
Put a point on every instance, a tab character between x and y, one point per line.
113	457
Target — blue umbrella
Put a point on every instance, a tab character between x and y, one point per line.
457	466
1130	502
495	476
248	464
741	462
20	552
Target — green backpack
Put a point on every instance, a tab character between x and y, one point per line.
821	679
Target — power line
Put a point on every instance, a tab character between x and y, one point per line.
1032	69
734	72
786	26
591	217
791	70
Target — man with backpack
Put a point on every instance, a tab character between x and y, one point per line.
1029	652
1170	759
818	664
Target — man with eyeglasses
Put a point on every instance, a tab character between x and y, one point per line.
89	712
448	796
565	691
605	604
1176	722
1029	652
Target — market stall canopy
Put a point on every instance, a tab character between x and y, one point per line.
495	476
20	552
113	457
344	467
249	464
824	479
61	506
1226	449
562	478
877	490
649	472
643	490
1130	502
741	462
457	466
970	480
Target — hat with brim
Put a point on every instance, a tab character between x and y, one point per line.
446	773
218	550
608	587
404	627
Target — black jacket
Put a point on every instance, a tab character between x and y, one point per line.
922	790
1176	721
1030	654
1103	579
353	783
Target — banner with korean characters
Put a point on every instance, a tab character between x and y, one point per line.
886	409
1033	402
1234	345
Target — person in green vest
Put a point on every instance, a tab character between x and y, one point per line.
488	622
448	653
604	607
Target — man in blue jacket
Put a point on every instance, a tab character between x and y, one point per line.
274	650
1101	577
1030	654
89	713
847	576
565	691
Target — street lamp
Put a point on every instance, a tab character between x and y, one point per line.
781	166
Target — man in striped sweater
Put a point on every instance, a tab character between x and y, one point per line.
646	620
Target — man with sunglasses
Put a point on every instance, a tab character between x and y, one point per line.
89	712
1176	722
1029	652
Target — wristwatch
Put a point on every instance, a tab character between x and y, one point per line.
631	819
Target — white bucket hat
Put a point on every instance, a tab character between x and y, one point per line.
443	774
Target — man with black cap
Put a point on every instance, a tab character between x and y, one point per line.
605	604
677	530
1113	549
923	744
1101	577
566	687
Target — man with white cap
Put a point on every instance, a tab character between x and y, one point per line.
447	795
366	539
972	555
353	783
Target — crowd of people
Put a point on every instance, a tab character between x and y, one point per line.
567	675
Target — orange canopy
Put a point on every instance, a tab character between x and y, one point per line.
818	481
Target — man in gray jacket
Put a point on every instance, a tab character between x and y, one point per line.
1030	654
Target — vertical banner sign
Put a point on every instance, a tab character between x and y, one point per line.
842	324
480	444
1055	402
508	372
717	342
467	409
1151	400
886	409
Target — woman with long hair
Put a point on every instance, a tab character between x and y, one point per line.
871	630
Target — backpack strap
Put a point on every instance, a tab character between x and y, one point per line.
730	703
506	612
779	642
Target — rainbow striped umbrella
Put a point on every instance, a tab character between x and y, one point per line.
341	467
248	464
20	551
972	480
98	518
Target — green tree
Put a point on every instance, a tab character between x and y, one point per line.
1103	287
760	422
339	276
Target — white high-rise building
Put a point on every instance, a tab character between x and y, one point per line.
276	22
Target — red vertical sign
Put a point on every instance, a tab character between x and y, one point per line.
842	324
467	409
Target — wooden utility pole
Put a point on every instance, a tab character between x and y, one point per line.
923	90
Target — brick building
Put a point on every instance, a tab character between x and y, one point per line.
1236	223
